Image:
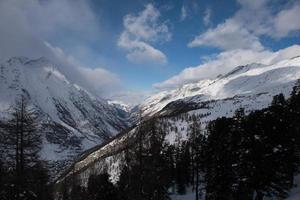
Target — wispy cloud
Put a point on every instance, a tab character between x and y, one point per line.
140	31
183	14
287	21
207	17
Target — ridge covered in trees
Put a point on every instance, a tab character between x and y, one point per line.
247	156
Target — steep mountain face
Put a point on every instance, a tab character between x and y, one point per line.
251	87
72	119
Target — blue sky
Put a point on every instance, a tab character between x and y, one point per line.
139	45
141	75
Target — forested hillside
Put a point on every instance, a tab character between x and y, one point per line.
247	156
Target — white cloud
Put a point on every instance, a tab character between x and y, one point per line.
227	36
146	25
100	80
26	25
141	30
139	51
287	21
241	31
207	17
255	16
225	62
183	14
254	19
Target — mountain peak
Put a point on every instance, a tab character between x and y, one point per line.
18	60
27	61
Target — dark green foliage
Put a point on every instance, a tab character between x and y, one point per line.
258	153
100	188
78	193
182	167
24	175
219	176
196	143
149	170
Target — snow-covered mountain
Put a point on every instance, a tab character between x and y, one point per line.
120	105
251	87
72	119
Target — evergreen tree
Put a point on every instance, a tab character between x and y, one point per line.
271	139
240	145
156	167
182	167
293	116
197	142
124	185
78	193
100	188
148	171
219	158
22	142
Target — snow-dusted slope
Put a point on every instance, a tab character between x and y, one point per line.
73	119
252	85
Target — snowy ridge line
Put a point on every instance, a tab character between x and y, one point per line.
242	80
113	141
69	171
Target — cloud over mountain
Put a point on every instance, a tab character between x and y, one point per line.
224	62
239	38
29	26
